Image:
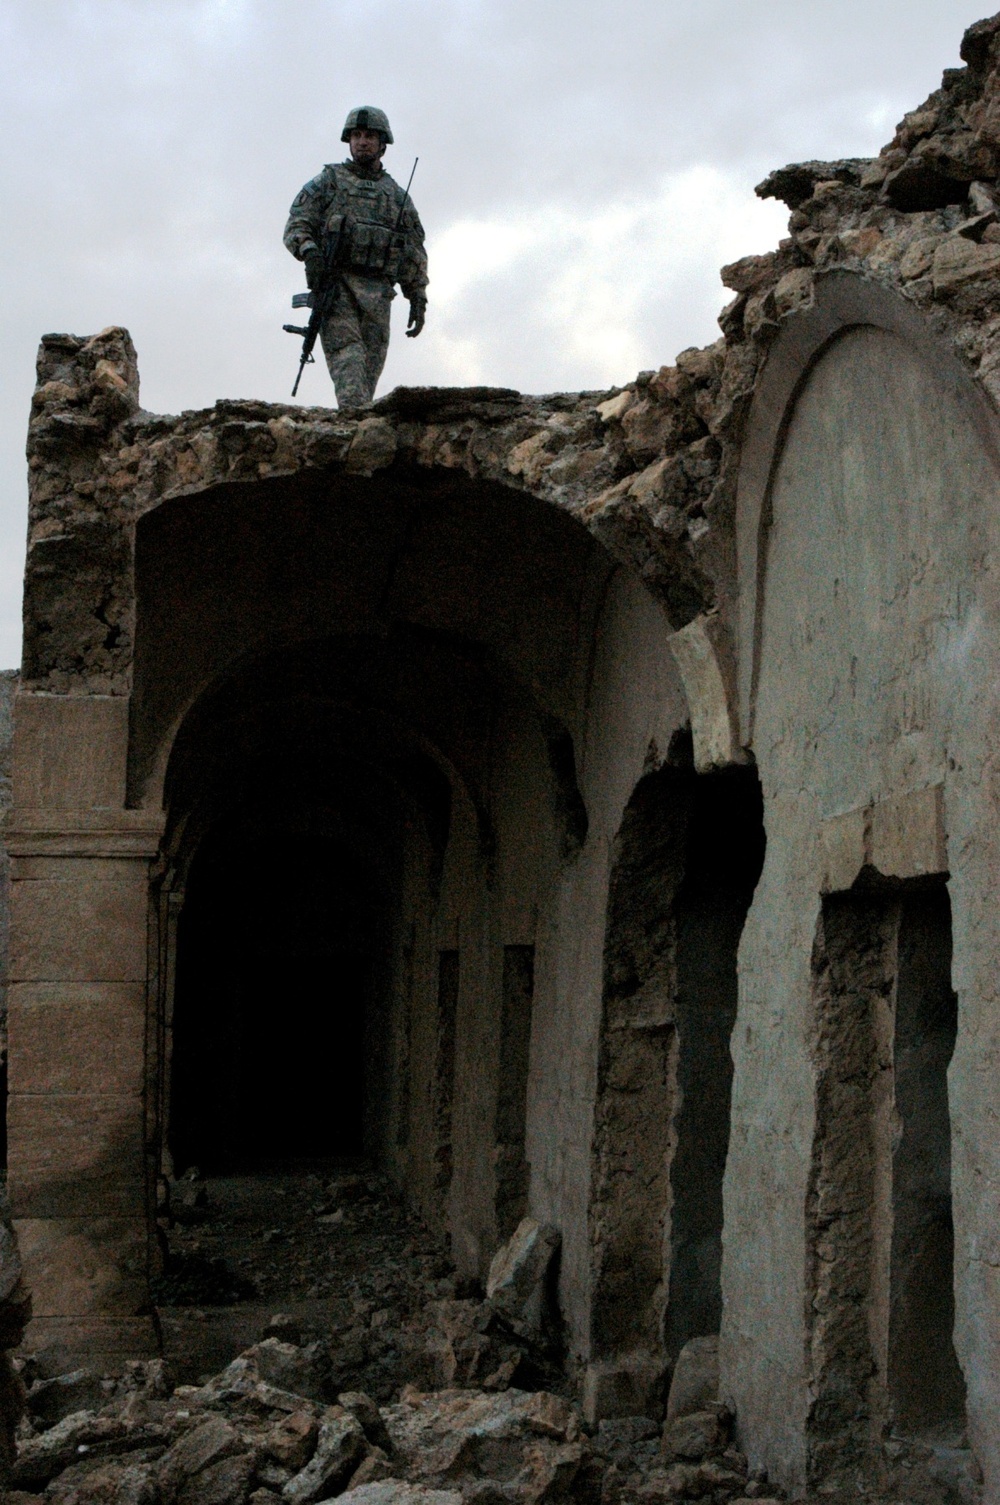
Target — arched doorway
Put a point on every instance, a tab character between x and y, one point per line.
436	697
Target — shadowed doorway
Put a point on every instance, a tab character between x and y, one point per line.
273	1015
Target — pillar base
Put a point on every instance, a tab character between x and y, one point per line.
61	1344
634	1386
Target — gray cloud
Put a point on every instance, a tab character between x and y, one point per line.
584	170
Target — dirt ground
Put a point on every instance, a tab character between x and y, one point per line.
331	1248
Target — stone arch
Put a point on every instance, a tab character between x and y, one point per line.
322	554
511	640
842	302
868	509
407	617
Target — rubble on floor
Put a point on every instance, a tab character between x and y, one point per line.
467	1402
244	1438
352	1271
383	1382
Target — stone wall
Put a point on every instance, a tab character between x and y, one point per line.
510	657
8	686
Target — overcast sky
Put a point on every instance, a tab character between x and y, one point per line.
585	168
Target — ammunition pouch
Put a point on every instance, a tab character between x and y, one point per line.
374	250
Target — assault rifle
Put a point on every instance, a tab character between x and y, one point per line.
324	299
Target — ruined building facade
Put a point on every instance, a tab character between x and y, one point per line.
584	805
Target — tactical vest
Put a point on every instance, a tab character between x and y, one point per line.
364	211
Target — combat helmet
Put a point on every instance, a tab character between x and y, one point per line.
367	118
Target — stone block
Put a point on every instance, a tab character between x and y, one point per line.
70	751
339	1449
75	1156
959	262
516	1285
102	1345
843	839
700	655
87	1267
908	837
77	1037
694	1436
695	1380
78	928
624	1387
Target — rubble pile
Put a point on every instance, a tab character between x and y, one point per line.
434	1397
362	1284
244	1436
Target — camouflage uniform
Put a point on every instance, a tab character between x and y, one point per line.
363	203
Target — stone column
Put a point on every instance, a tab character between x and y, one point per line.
78	974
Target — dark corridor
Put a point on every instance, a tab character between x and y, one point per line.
272	1012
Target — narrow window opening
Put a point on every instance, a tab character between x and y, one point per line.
512	1096
926	1388
878	1212
444	1067
725	853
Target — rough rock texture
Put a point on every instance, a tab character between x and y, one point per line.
519	1283
695	1380
8	687
651	470
238	1437
15	1310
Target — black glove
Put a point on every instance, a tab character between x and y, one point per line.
315	268
418	313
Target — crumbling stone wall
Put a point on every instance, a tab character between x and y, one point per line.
8	685
785	540
879	1224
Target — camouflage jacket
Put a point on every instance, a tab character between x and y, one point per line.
364	207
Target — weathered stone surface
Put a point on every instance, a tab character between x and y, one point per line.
794	184
200	1449
367	1414
694	1435
303	1371
959	262
695	1379
49	1401
517	1284
400	1492
292	1441
376	1465
340	1446
15	1310
457	1435
44	1457
630	1386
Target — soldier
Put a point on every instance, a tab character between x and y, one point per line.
358	203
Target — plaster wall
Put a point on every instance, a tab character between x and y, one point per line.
634	705
874	678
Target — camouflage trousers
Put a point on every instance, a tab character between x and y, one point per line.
356	338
